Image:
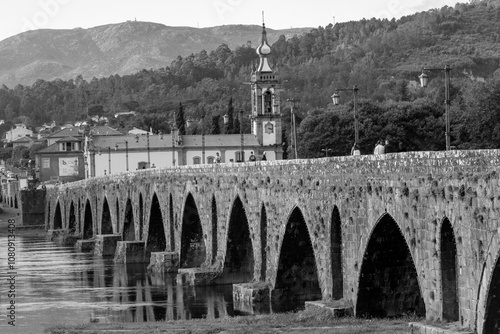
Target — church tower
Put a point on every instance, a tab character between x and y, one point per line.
266	110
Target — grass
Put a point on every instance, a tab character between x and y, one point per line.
310	322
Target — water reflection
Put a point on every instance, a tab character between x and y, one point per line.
55	285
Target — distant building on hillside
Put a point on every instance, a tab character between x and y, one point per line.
18	132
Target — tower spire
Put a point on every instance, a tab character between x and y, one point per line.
263	50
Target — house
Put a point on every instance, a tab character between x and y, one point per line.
18	132
23	141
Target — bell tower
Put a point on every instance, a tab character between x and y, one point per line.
266	109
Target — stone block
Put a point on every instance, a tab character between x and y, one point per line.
197	276
105	244
449	328
252	292
164	262
338	308
130	252
85	246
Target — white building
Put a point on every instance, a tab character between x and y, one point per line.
18	132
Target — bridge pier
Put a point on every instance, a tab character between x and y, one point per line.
338	308
198	276
105	244
85	246
164	262
130	252
55	235
245	295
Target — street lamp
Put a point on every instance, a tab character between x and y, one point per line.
424	80
293	127
336	100
203	137
126	151
242	155
326	150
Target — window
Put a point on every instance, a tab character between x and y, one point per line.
210	160
239	156
267	102
196	160
45	162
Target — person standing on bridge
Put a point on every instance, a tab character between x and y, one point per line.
355	149
264	158
252	157
217	157
379	148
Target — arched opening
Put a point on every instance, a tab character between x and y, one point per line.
106	225
193	252
15	202
172	224
117	207
214	229
297	277
87	223
239	262
336	255
156	234
72	219
263	242
128	232
449	272
57	217
47	223
388	282
141	216
492	322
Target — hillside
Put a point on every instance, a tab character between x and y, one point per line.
106	50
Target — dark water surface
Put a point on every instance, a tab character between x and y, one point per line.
56	285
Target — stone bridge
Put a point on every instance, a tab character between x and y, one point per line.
414	232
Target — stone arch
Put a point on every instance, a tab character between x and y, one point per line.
15	202
491	320
239	260
88	224
336	255
128	232
297	276
58	224
388	281
263	242
156	241
449	282
106	224
141	216
193	250
72	218
47	222
214	230
117	210
171	223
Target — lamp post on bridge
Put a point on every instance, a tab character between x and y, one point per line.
326	150
424	80
336	100
242	154
126	151
293	127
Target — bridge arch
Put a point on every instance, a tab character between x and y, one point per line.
336	255
193	248
449	279
141	216
171	222
88	223
156	240
58	223
297	273
215	247
106	224
264	248
72	218
388	281
239	261
128	230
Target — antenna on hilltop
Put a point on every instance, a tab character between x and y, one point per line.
263	18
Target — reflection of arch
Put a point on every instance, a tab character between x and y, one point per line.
388	281
128	232
449	272
156	234
72	218
336	255
214	229
106	225
88	224
297	277
172	224
239	251
58	217
263	242
192	243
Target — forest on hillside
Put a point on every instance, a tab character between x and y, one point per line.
383	58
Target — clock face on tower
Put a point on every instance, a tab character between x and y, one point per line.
269	128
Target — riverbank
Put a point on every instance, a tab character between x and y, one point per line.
307	321
7	213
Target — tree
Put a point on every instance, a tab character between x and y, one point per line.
215	125
230	122
180	121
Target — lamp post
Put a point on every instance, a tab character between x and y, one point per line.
293	127
336	100
326	150
203	137
149	154
126	152
174	129
424	80
109	159
242	155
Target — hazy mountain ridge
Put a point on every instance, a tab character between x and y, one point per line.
122	48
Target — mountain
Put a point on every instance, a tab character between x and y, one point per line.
122	48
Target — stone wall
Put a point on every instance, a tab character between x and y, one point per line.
417	190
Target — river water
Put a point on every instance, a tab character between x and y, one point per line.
56	285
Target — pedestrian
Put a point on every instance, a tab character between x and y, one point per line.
388	147
264	156
355	149
217	157
153	166
379	148
252	157
401	147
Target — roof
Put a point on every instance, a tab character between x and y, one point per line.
69	139
68	132
24	139
156	141
104	130
54	148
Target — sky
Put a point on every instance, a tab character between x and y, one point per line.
17	16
